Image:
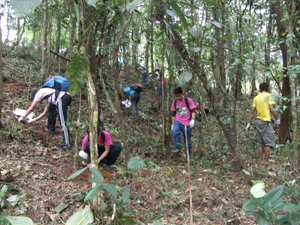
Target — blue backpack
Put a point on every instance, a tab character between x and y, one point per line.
58	83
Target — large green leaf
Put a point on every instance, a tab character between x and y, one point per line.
97	176
18	220
4	221
111	189
258	190
273	195
78	70
125	220
61	207
217	24
178	12
126	194
263	221
171	13
136	163
3	191
77	173
291	207
82	217
257	201
254	213
92	193
23	8
278	204
249	206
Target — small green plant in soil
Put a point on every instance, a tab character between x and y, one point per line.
270	209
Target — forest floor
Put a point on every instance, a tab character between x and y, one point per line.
38	172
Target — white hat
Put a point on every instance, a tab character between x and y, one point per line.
83	154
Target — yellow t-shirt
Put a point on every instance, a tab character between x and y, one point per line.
261	102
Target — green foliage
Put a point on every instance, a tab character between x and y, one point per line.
82	217
136	163
78	70
16	220
77	173
61	207
265	209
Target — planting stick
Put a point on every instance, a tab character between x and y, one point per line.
189	170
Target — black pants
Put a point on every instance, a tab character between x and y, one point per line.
134	104
112	156
52	118
62	110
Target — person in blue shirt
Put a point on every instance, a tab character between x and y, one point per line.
135	97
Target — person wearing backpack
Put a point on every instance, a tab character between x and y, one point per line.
135	98
128	91
183	114
106	150
61	99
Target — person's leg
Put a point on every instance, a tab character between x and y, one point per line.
127	95
87	149
267	153
159	91
177	130
133	107
62	108
136	106
114	152
261	153
51	119
189	135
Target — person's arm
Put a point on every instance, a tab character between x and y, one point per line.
250	118
30	109
105	153
193	114
173	117
46	109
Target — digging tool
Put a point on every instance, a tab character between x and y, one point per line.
189	171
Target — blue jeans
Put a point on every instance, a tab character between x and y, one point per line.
112	156
159	88
178	128
145	77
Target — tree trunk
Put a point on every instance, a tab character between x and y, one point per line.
147	49
286	90
58	28
44	41
292	74
116	71
72	32
151	46
163	103
1	76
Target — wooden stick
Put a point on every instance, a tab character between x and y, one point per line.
59	55
189	171
76	135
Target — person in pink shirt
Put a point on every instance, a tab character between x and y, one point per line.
106	150
183	114
55	106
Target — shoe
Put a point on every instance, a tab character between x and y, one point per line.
49	131
112	165
176	151
63	147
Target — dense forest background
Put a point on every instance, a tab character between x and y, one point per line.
217	51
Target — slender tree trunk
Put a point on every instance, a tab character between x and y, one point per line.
292	74
163	108
44	42
7	24
286	90
58	28
72	33
147	49
49	45
152	35
34	37
1	76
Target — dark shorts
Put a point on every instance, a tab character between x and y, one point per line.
265	133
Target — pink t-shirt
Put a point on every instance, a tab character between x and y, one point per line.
183	114
48	91
99	141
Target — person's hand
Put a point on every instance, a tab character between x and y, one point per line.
98	161
248	126
192	123
21	119
278	121
155	88
172	127
31	120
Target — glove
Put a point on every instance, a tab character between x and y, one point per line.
155	88
172	127
31	120
20	119
192	123
98	161
248	126
278	121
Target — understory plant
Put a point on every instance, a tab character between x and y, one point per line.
271	209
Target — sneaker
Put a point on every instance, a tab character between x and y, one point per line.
63	147
49	131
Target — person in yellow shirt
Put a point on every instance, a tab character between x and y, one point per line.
263	104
